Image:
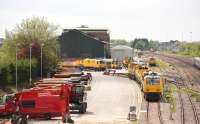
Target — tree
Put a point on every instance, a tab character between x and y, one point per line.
190	49
154	45
115	42
37	32
140	43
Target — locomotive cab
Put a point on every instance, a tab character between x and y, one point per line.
153	86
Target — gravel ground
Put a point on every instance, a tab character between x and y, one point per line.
109	100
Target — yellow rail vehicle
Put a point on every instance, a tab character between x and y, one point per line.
153	86
115	65
136	70
139	73
151	83
93	64
152	61
126	61
131	70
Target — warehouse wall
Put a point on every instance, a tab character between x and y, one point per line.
119	55
74	44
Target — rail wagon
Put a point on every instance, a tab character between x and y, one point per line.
139	73
132	66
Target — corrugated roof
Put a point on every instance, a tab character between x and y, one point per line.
87	29
122	47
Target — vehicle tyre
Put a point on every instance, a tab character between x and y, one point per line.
145	96
83	108
69	120
47	116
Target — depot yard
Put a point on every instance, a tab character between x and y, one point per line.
111	93
109	100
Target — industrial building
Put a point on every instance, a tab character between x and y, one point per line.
84	42
119	52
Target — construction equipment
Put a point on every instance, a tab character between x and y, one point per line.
7	106
78	94
39	102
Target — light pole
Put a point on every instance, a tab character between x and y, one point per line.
41	60
182	36
104	51
16	69
30	48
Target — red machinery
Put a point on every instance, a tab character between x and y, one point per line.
42	102
49	98
78	94
7	106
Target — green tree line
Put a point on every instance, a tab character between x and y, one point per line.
190	49
144	44
137	43
115	42
34	33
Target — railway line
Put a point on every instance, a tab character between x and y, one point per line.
186	85
184	78
155	108
180	97
154	114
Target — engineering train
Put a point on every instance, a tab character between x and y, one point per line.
152	83
95	64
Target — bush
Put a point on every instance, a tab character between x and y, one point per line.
190	49
8	71
38	33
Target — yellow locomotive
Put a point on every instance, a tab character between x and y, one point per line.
95	64
151	83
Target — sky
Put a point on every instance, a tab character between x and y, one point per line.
161	20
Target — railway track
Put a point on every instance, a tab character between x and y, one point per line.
150	117
154	107
189	97
183	79
179	95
